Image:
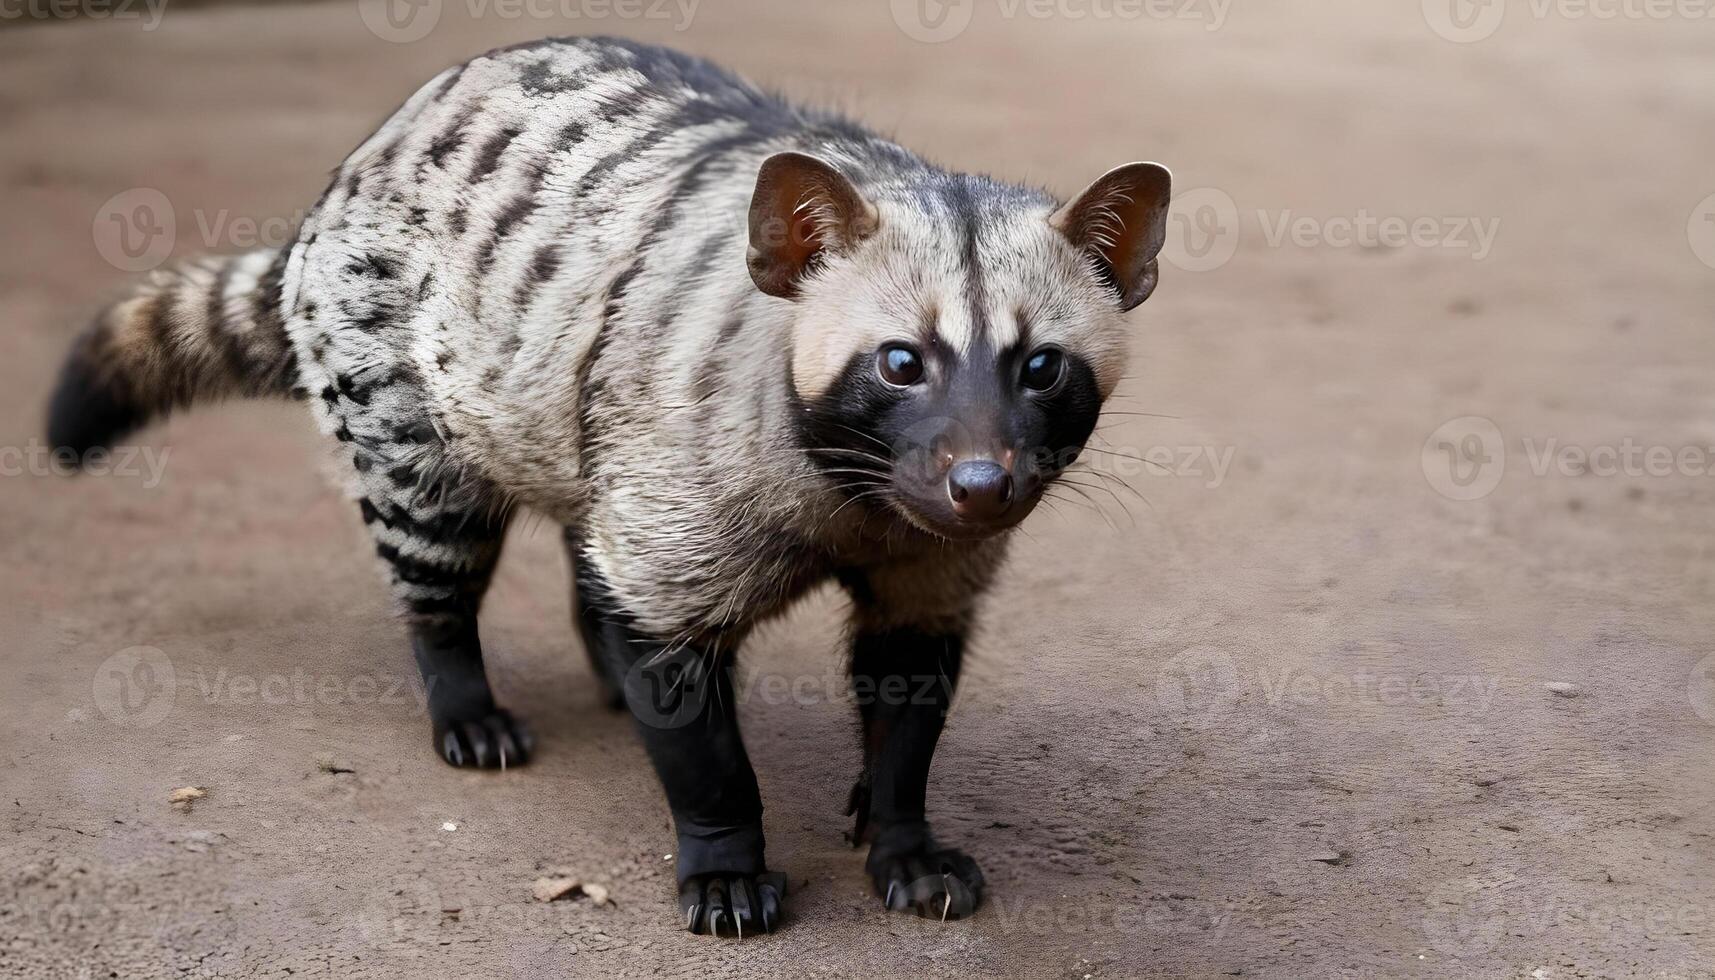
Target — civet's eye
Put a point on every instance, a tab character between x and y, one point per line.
1043	370
900	366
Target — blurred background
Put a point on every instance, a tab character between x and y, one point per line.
1391	657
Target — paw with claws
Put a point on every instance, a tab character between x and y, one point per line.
934	883
494	740
732	903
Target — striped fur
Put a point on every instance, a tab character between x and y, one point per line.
527	288
208	329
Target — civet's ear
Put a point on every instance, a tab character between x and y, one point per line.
802	209
1121	222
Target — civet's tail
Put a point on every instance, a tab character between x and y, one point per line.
208	329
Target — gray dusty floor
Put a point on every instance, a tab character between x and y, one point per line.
1286	718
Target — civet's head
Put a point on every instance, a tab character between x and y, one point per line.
954	337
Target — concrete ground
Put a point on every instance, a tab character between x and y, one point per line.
1397	663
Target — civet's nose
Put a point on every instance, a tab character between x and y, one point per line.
981	489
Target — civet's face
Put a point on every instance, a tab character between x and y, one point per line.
954	341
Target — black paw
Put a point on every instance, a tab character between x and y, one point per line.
494	741
936	884
735	903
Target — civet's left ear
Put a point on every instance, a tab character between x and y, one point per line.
802	209
1121	222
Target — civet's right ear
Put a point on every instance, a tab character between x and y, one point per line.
802	209
1120	221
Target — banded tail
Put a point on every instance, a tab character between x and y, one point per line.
208	329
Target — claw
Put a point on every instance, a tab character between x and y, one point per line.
691	917
949	893
715	922
888	901
738	923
